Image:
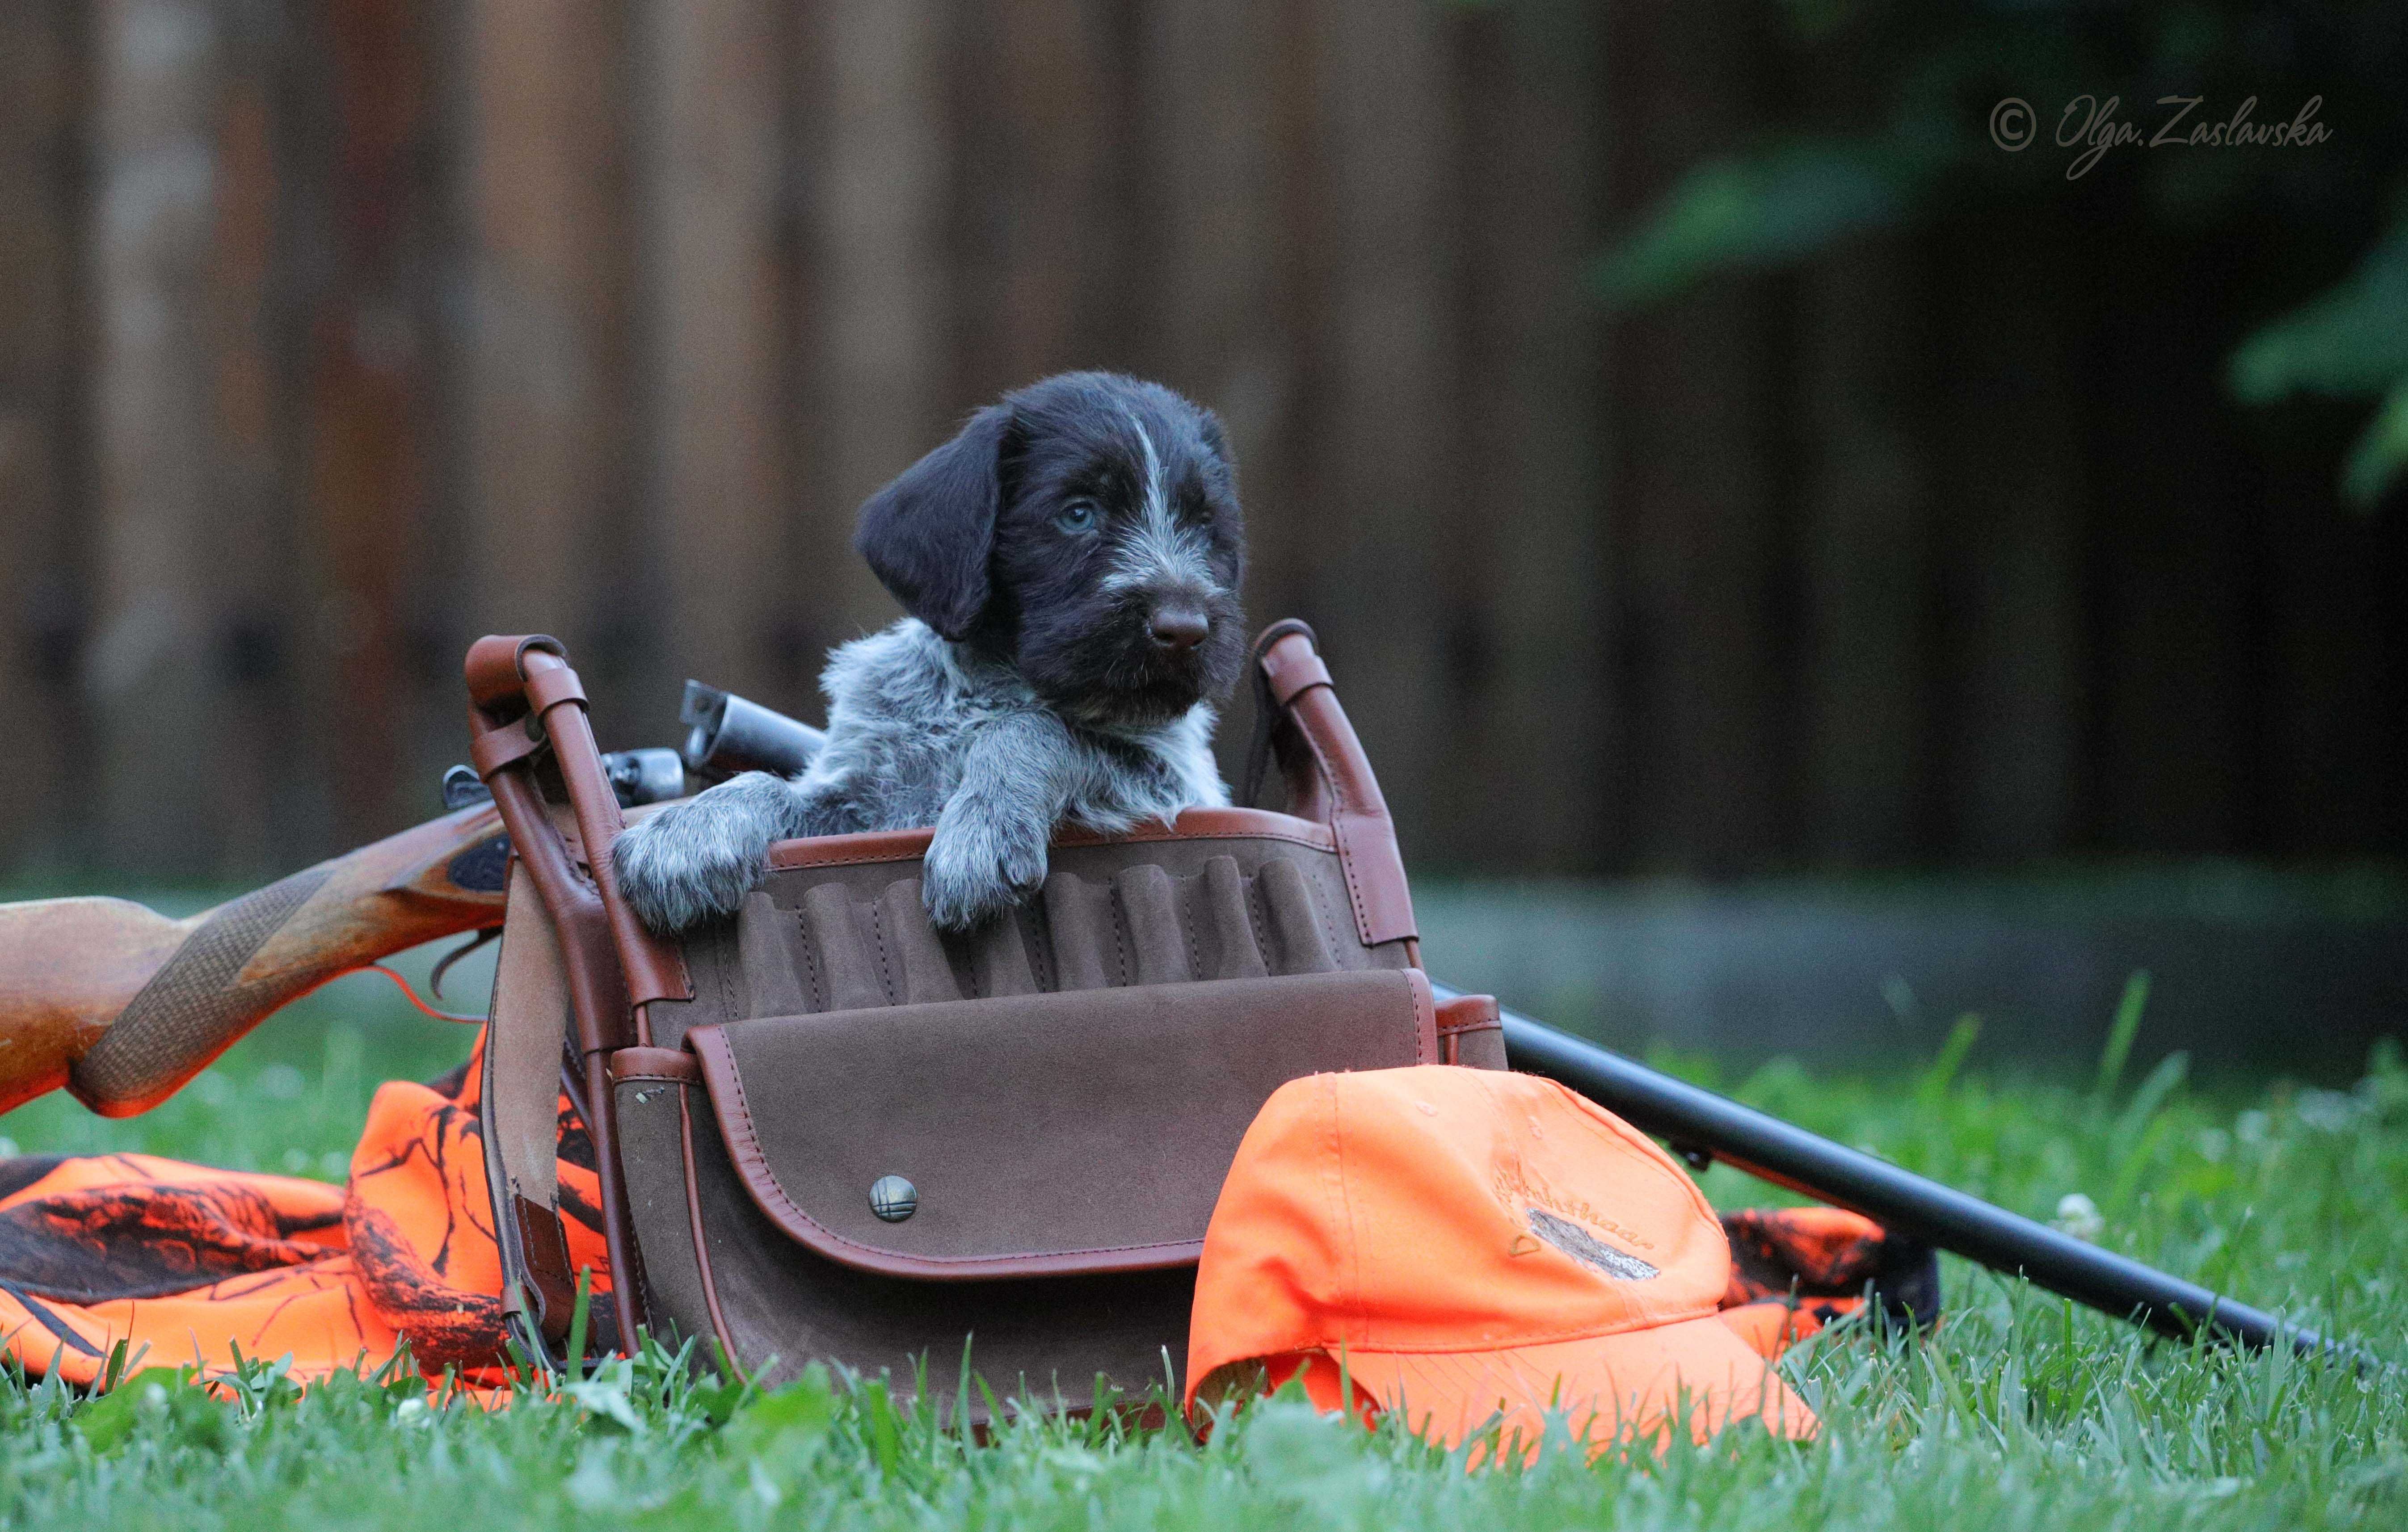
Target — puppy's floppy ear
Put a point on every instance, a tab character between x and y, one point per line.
928	534
1215	435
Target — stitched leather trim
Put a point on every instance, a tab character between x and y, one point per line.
1462	1017
1469	1013
838	851
1425	1017
669	1064
752	1168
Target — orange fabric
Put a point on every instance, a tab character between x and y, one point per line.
188	1263
1769	1326
1475	1248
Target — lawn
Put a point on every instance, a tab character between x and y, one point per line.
2019	1412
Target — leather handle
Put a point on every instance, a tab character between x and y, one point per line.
1275	736
1329	777
523	694
497	674
655	969
522	690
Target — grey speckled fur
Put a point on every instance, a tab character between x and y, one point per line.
1070	561
923	730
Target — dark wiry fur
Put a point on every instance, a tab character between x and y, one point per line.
1028	687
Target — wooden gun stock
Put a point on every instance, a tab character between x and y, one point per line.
121	1005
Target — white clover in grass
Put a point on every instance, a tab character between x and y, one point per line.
594	1487
2078	1216
279	1082
2329	1111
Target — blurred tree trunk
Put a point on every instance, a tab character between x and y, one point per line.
1699	643
1377	505
1864	715
872	321
158	75
1870	619
246	555
367	417
43	78
2181	593
2012	493
1045	107
1525	639
549	432
714	144
1220	321
2334	726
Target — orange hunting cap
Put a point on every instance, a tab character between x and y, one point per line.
1473	1247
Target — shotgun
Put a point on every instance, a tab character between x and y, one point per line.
123	1006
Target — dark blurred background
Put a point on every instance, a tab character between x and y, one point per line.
1704	450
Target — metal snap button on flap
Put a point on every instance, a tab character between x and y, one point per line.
893	1199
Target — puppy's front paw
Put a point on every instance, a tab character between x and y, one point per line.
977	866
692	861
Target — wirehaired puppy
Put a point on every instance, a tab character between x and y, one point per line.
1070	564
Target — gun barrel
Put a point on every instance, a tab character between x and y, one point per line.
1788	1156
725	735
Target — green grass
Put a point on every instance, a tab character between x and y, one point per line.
2019	1412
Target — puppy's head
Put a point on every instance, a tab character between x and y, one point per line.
1087	529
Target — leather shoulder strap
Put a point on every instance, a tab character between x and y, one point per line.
518	1114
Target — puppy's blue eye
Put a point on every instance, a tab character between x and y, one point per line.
1077	517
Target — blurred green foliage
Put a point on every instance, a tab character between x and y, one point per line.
2350	341
1911	140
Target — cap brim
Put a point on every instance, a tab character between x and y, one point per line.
1609	1388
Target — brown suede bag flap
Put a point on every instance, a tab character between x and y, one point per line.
1084	1131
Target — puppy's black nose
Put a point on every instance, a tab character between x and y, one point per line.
1178	627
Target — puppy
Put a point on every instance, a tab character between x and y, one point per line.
1070	563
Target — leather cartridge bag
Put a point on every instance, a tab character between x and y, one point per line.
826	1131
